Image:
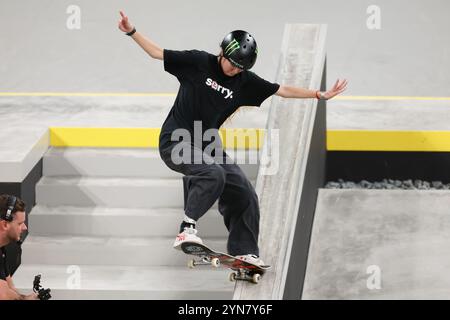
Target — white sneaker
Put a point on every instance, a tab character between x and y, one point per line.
251	258
188	235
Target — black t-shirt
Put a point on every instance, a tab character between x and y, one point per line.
4	272
206	94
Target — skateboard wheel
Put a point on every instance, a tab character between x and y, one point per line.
215	262
232	277
191	264
256	277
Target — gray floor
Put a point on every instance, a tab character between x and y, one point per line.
379	244
407	56
377	114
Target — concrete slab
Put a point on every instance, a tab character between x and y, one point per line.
379	244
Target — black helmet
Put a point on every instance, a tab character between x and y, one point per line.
240	48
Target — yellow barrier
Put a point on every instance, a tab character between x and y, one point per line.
366	140
143	137
337	140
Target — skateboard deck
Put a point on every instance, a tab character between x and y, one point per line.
242	270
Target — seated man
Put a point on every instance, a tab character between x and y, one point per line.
12	224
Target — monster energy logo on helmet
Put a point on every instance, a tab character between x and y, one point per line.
240	48
233	46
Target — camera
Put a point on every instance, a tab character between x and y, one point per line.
43	294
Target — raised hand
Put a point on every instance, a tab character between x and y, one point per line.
124	24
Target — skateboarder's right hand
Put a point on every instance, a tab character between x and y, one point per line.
124	24
154	51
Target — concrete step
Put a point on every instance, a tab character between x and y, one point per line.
118	222
135	251
110	192
124	282
105	162
115	162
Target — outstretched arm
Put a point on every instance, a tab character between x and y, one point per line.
148	45
296	92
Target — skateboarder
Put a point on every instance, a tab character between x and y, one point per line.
213	87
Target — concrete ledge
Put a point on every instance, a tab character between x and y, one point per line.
15	171
399	237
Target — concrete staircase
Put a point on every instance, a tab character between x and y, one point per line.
112	215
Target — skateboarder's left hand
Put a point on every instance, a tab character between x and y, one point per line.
338	88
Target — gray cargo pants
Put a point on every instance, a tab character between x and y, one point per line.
211	178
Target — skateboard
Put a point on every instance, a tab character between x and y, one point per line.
242	270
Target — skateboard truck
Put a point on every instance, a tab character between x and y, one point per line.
243	274
215	262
